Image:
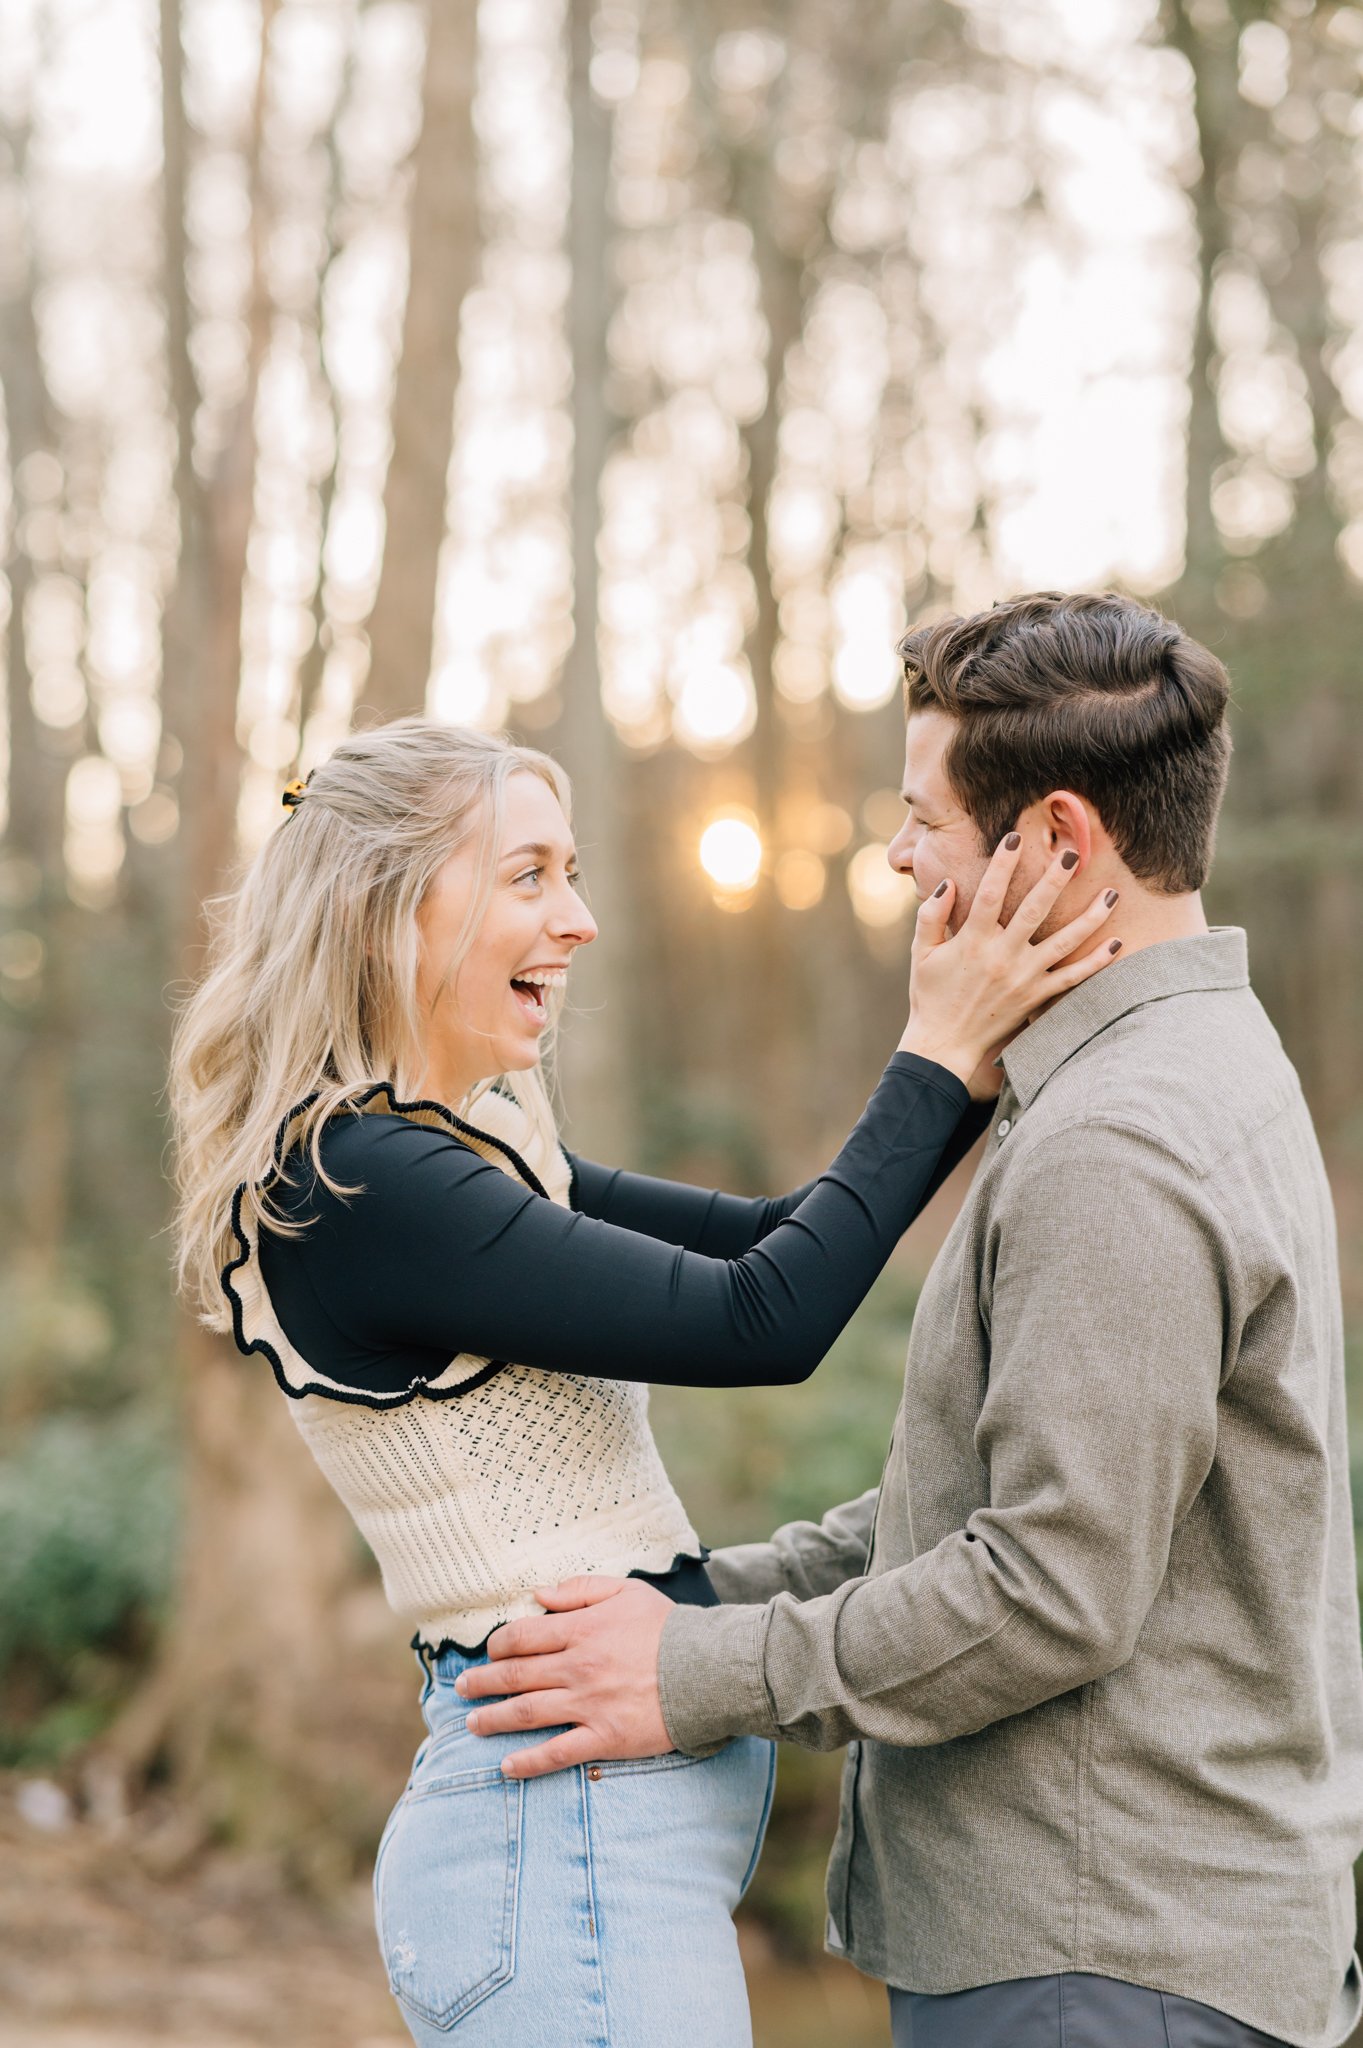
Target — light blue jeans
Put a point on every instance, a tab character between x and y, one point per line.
591	1909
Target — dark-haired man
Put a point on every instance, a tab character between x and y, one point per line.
1093	1644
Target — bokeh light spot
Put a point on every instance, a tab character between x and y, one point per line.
880	897
731	850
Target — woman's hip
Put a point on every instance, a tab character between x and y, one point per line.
591	1906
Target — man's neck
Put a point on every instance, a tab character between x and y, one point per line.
1142	919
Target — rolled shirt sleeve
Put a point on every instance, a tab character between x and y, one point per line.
1110	1298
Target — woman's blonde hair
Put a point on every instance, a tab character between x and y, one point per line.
311	983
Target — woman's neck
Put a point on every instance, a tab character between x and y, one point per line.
445	1080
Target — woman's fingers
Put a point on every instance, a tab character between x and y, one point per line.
1041	899
930	925
993	889
1062	978
1070	937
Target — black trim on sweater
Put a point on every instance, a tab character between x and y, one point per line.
357	1397
685	1582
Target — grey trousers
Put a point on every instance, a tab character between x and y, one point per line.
1069	2011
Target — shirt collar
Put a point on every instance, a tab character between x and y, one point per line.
1217	959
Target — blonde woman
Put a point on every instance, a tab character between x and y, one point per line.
464	1320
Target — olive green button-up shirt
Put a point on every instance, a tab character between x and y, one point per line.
1094	1649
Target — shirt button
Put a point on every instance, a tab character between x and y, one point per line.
1005	1127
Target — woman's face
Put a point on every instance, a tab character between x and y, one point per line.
487	1018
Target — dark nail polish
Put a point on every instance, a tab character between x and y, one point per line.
1115	947
1069	860
940	890
1013	842
1110	898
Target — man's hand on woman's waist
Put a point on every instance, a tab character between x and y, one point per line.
591	1661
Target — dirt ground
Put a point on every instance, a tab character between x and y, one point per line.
98	1951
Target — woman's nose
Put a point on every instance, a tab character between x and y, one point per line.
899	852
574	923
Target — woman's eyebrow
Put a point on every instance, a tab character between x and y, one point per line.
537	849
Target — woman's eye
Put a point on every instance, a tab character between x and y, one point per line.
529	875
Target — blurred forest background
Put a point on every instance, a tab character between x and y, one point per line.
625	373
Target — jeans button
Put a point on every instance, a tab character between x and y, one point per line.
594	1773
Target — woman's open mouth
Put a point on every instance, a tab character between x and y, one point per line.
532	990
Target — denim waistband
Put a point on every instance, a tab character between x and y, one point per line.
443	1665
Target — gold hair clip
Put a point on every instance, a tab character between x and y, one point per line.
295	791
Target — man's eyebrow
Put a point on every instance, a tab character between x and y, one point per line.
915	801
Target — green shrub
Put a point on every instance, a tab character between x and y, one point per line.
87	1528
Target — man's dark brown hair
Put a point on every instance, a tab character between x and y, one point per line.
1094	694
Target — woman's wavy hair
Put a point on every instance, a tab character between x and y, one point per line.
311	983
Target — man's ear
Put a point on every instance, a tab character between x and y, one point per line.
1067	823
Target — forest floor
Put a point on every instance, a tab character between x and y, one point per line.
98	1950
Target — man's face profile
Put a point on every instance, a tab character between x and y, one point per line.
938	841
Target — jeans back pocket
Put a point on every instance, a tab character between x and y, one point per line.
446	1886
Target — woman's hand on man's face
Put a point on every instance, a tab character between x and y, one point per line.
972	991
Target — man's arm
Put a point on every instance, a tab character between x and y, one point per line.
803	1559
1111	1312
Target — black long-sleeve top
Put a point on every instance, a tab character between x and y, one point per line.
442	1252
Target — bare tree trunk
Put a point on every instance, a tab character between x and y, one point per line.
266	1546
38	1080
594	1061
769	984
443	263
1295	788
1218	113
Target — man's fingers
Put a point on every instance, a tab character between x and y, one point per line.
534	1635
560	1753
580	1592
510	1674
523	1710
1062	943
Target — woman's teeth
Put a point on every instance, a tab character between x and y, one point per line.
532	990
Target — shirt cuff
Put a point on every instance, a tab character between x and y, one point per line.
710	1681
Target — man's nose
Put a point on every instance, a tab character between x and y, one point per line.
899	852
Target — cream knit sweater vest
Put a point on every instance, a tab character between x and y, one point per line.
488	1479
